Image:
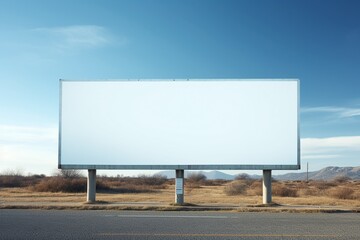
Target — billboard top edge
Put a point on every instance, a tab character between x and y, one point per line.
183	80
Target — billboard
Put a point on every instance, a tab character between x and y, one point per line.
179	124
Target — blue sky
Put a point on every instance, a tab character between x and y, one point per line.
43	41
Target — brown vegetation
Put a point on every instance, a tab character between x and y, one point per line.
12	181
255	188
235	188
140	184
59	184
284	191
196	177
195	180
71	181
197	190
342	193
339	188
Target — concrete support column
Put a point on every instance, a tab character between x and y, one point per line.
179	186
91	186
267	193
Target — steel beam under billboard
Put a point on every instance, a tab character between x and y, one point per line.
180	124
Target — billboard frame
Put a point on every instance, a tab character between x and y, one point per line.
182	167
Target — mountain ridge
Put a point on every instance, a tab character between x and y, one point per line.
326	173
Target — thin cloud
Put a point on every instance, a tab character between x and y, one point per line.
339	112
333	147
77	35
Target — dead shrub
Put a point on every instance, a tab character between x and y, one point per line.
284	191
102	186
69	173
302	184
11	181
235	188
341	179
140	184
59	184
290	184
310	192
105	185
196	177
215	182
256	188
195	180
15	181
342	193
154	180
192	185
322	185
243	176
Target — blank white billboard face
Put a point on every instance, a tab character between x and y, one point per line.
190	124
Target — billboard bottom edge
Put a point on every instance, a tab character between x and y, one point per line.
182	167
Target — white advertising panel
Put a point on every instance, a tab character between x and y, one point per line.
179	124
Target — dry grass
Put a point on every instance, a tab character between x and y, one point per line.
342	193
235	188
160	190
10	181
140	184
215	195
255	188
59	184
76	184
195	180
196	177
283	190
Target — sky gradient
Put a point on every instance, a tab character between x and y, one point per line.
43	41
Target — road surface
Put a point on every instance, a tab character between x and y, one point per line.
69	224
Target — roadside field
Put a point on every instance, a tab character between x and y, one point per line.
242	192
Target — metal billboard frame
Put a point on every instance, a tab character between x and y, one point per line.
182	167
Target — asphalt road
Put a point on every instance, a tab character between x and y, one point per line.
69	224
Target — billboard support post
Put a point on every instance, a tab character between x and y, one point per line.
267	194
91	186
179	186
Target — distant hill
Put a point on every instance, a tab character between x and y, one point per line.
327	173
